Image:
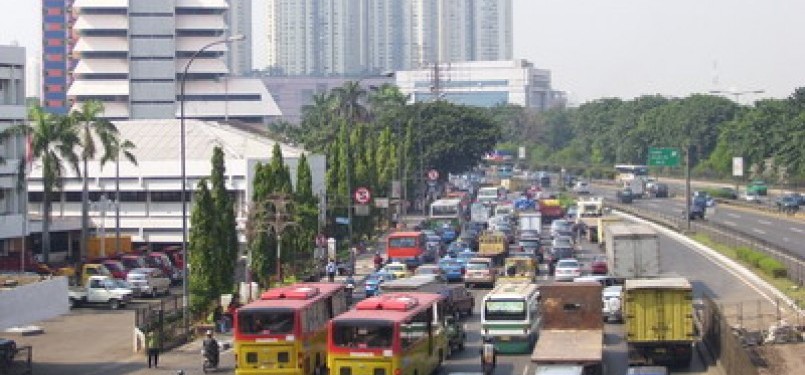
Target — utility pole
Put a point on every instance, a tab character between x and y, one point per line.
276	217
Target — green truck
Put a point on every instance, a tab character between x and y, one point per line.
658	316
757	187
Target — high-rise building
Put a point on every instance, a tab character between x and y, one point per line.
352	37
56	47
13	195
239	22
131	54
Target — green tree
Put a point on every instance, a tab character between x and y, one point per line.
348	102
226	249
91	127
53	140
202	251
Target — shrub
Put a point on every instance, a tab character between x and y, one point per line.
772	267
750	256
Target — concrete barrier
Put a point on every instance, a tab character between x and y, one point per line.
34	302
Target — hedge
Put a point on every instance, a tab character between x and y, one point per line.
772	267
750	256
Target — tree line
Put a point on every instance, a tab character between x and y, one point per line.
768	134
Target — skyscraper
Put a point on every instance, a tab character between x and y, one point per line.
56	46
351	37
130	55
239	22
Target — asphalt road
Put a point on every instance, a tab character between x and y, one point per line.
788	233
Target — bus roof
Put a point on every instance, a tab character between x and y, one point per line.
512	290
295	296
391	306
411	284
446	202
405	234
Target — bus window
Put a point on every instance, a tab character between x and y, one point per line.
402	242
266	321
419	326
363	335
505	310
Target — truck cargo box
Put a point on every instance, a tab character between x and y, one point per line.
633	251
571	346
658	310
571	306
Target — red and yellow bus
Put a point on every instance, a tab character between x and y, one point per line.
285	331
406	247
392	334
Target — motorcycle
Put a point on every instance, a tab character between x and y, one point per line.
350	289
210	362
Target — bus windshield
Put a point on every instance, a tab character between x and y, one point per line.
505	310
363	334
269	321
444	210
402	242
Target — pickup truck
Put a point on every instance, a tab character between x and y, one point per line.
149	281
99	290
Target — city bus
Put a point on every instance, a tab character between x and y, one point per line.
446	217
285	331
392	334
629	172
510	315
406	247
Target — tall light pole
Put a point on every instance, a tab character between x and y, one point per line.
737	94
185	297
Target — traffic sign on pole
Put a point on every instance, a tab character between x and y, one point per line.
362	195
663	157
433	175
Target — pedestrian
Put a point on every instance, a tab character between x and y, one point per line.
153	343
331	269
218	318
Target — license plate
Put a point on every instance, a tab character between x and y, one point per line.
660	350
505	338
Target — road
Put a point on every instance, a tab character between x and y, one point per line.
781	231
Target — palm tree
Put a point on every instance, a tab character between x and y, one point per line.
91	126
387	96
348	102
53	140
117	148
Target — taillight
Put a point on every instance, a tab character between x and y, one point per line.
397	371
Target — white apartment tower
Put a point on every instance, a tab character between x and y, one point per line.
13	194
239	22
130	54
352	37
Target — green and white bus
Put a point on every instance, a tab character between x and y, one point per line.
511	317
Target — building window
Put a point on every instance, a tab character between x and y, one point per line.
54	73
54	11
54	103
55	88
166	196
55	42
54	57
133	196
54	26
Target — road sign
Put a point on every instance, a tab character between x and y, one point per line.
321	240
342	220
362	195
361	209
738	166
663	157
521	153
433	175
382	202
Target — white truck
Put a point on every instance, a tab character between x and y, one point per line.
100	290
479	213
530	221
633	251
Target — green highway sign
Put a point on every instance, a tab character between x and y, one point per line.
663	157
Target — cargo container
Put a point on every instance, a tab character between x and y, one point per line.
633	251
658	315
603	221
530	222
572	334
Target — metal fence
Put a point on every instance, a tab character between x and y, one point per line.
164	317
22	364
723	344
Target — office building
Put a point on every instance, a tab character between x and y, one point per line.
354	37
150	192
12	151
56	49
483	84
130	55
239	22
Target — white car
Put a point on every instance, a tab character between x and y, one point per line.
582	187
611	298
148	281
567	270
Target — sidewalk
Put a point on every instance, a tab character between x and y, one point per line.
188	358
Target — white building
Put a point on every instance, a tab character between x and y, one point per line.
352	37
239	22
130	55
150	203
12	151
482	83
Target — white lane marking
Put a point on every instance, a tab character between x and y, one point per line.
733	214
758	231
732	223
798	230
764	222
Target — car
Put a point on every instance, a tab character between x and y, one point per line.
148	281
611	303
753	197
625	195
697	209
659	190
599	265
371	284
433	245
567	270
562	241
8	349
456	247
581	187
571	213
787	203
452	269
430	269
465	256
727	193
704	197
604	280
561	227
757	186
480	271
530	245
399	270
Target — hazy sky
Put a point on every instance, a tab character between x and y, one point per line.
614	48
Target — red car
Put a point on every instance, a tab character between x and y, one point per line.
599	265
116	267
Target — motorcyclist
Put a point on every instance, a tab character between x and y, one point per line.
210	348
378	261
350	286
488	356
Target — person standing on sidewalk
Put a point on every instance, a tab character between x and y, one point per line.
153	343
330	269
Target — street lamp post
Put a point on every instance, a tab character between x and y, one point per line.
183	147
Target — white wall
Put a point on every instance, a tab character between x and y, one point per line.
34	302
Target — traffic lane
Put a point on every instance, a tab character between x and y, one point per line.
784	233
